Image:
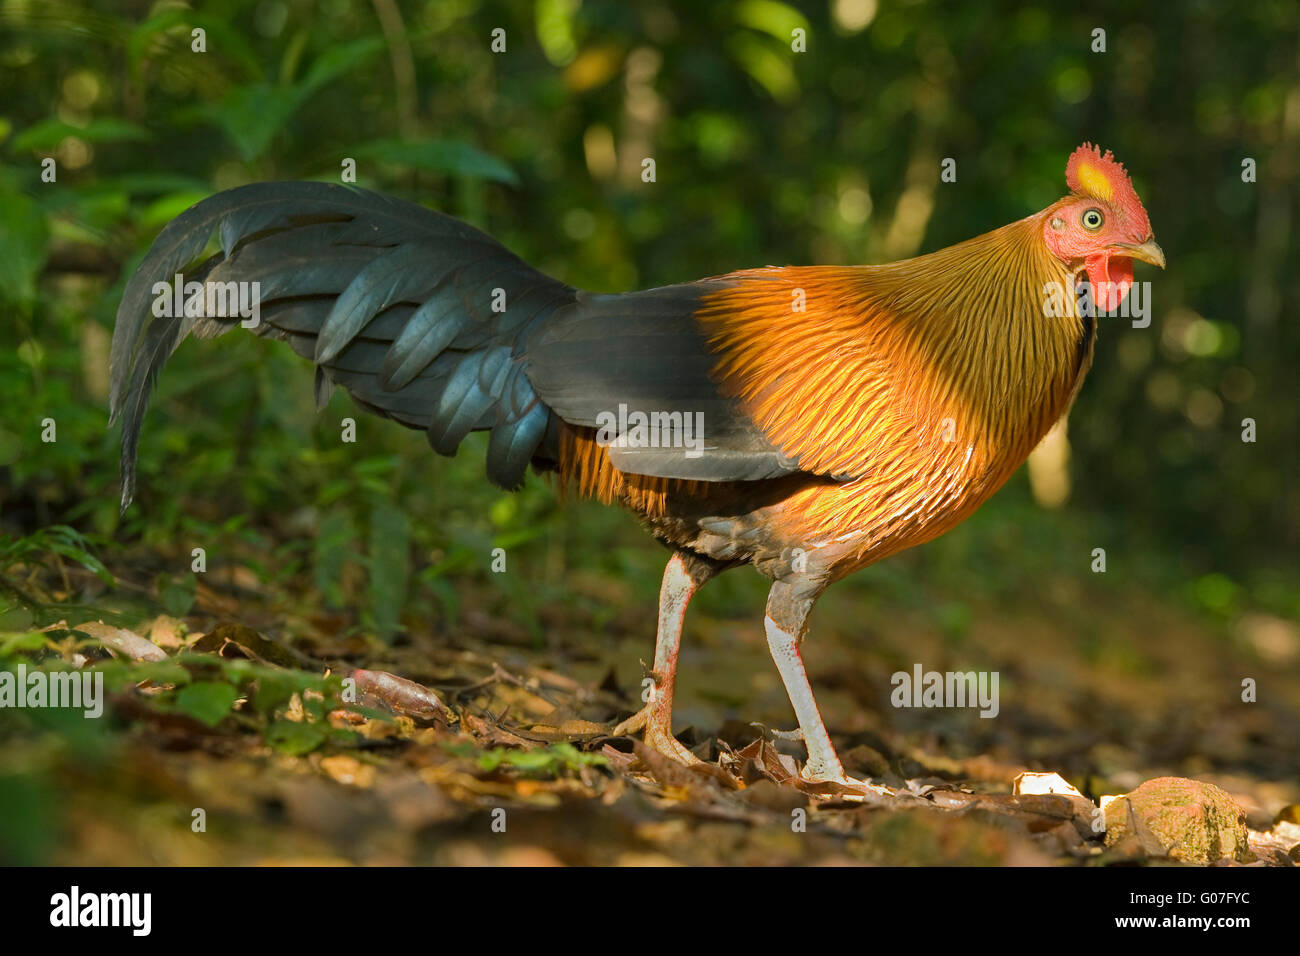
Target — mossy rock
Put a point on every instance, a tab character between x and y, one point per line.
927	837
1183	819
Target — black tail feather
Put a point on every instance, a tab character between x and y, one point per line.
397	303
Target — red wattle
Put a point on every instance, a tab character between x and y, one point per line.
1110	280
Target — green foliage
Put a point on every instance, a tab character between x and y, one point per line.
29	816
176	593
23	235
389	564
550	761
57	539
208	702
211	690
46	135
251	114
294	737
455	158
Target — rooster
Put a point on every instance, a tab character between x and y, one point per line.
841	414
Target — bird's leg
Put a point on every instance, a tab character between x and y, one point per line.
682	578
786	622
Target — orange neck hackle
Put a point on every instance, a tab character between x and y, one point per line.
928	381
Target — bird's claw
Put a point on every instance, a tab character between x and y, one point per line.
794	736
857	789
655	735
634	723
668	745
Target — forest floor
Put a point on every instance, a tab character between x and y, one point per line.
234	746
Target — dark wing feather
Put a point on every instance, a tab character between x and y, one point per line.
644	350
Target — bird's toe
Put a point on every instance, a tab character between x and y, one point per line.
670	746
853	788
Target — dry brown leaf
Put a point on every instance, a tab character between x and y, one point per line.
402	696
122	641
1031	782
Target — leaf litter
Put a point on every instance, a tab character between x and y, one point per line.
474	749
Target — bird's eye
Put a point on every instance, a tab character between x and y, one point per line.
1092	220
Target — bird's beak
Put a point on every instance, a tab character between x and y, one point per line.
1146	252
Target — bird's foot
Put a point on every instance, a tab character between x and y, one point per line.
828	769
633	724
656	734
669	746
857	789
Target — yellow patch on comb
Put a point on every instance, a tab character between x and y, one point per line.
1094	182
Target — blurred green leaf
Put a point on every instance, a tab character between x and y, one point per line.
440	156
336	61
22	641
778	20
208	702
158	672
166	208
332	549
29	818
294	738
49	133
22	245
149	37
177	593
389	563
251	114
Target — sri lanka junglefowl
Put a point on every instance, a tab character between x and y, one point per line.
808	421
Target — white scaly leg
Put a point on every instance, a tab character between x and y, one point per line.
823	763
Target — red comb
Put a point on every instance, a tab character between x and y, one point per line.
1090	173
